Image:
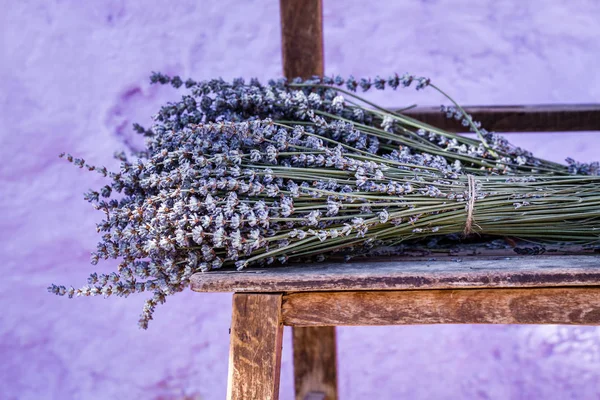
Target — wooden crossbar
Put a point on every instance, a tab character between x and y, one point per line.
566	306
529	118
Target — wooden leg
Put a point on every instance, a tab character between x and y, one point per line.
315	363
301	38
255	349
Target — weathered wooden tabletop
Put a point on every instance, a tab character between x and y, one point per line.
444	273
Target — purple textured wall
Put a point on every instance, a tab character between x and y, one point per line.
74	76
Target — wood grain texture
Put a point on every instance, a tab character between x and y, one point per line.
315	363
571	306
527	271
302	38
255	347
531	118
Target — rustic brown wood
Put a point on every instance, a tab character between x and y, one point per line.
302	38
255	349
531	118
473	272
315	365
571	306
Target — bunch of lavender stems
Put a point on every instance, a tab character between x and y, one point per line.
297	102
217	194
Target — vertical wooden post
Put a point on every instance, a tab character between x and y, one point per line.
315	366
255	347
302	38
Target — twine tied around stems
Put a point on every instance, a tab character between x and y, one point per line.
470	204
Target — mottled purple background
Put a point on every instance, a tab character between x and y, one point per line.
74	76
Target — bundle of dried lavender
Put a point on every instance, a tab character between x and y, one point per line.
381	130
220	185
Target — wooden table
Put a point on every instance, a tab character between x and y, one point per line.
316	298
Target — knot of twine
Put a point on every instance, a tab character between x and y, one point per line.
471	204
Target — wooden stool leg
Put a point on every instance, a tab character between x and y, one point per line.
315	363
255	348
